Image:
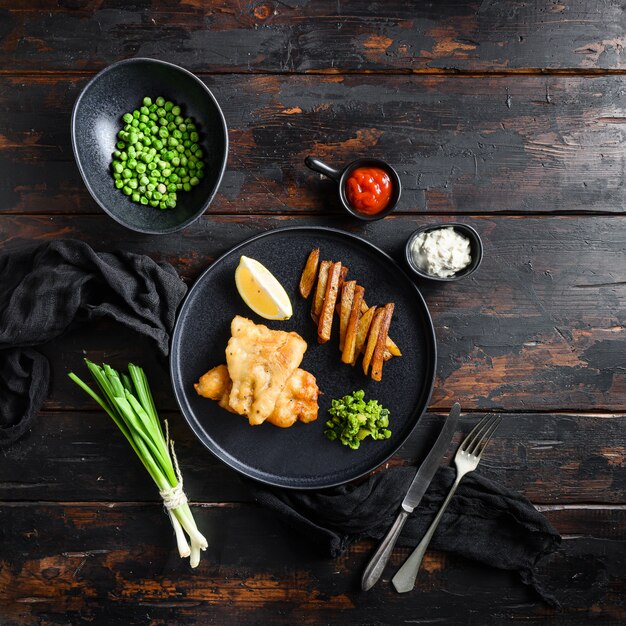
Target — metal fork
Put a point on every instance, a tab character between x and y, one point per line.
466	460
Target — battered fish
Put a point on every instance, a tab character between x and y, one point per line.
297	401
260	361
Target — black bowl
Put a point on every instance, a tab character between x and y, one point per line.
476	251
341	176
97	117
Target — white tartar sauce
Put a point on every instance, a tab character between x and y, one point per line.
441	252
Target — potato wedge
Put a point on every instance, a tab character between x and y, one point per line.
391	345
320	290
361	336
347	296
349	344
379	349
387	355
372	337
325	324
307	280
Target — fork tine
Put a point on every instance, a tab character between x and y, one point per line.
466	441
470	445
487	436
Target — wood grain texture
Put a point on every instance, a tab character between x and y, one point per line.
117	564
551	459
460	145
540	326
314	35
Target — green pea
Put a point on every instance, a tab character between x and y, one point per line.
147	101
127	190
163	132
154	203
157	195
168	105
144	200
136	196
133	184
127	173
194	181
118	167
136	114
120	145
141	168
194	136
119	184
160	101
127	117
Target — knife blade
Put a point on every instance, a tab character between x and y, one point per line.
413	496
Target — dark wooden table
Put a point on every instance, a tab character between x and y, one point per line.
509	116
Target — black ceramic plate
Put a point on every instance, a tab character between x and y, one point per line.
301	457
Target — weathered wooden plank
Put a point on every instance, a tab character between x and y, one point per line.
551	459
312	35
118	564
540	326
470	145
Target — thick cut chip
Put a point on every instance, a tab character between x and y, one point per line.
347	296
361	335
259	363
349	346
379	349
325	323
371	340
309	274
320	290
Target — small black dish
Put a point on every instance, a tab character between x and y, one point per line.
476	251
97	117
341	176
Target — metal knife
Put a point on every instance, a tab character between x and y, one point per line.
412	498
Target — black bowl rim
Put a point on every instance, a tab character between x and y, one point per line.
362	162
470	269
205	206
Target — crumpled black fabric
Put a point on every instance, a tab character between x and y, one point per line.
484	522
44	288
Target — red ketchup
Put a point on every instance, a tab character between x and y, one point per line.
369	190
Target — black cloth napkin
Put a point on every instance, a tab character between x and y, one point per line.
44	288
483	522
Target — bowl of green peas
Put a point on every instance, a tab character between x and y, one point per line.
151	144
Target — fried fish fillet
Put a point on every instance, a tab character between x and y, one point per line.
297	400
260	361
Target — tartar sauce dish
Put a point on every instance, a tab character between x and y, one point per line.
444	252
441	252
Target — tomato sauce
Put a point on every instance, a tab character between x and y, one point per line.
369	190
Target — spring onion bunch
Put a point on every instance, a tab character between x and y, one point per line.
128	401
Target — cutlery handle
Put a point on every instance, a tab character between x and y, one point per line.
404	580
377	563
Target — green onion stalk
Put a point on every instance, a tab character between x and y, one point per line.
127	400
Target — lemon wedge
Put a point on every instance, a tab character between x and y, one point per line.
260	290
